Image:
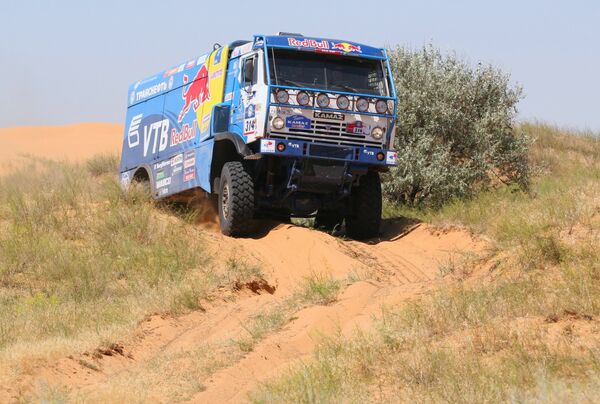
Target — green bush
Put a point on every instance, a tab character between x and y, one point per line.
455	132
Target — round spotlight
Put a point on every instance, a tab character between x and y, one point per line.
380	156
377	133
278	123
303	98
343	102
381	107
280	147
323	100
282	96
362	104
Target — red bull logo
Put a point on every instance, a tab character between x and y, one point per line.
196	93
346	47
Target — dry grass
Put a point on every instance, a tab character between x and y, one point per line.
531	334
81	262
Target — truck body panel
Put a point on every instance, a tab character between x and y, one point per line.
310	115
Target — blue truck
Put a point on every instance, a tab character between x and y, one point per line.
277	126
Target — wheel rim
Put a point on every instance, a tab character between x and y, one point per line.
225	200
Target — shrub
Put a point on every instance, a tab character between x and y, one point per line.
455	132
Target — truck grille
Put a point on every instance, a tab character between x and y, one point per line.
327	132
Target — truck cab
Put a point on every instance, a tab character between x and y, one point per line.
281	125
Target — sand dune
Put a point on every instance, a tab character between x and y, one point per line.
402	263
69	142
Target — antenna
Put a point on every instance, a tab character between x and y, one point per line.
280	33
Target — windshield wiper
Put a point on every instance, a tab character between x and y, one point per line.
293	83
348	88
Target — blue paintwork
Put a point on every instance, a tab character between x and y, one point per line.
354	154
161	129
324	45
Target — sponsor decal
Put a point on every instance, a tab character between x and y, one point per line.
298	122
170	83
196	93
329	115
190	160
186	133
177	160
308	43
176	169
258	43
150	91
368	152
133	135
175	70
228	97
160	175
391	157
163	191
355	127
162	164
345	47
155	133
217	59
216	74
267	146
163	183
250	111
190	64
125	178
189	174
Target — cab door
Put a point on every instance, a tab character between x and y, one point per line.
250	109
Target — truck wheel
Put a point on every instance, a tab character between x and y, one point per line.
327	220
236	199
365	220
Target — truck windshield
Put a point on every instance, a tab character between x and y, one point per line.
327	72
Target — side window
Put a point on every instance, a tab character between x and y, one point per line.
250	71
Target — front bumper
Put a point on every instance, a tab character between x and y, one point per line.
355	154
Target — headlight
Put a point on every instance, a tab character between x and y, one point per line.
278	123
377	133
362	104
303	98
343	102
282	97
381	107
323	100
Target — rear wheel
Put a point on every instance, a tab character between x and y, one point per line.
365	220
236	199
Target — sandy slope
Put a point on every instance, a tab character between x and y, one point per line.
404	262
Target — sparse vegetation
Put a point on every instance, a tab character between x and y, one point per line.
456	132
531	334
82	261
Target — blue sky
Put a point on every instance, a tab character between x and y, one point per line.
71	61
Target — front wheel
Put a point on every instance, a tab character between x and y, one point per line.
365	220
236	199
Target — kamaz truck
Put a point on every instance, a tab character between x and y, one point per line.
277	126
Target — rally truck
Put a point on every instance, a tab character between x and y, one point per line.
277	126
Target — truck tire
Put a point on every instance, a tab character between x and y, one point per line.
365	220
236	199
328	220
